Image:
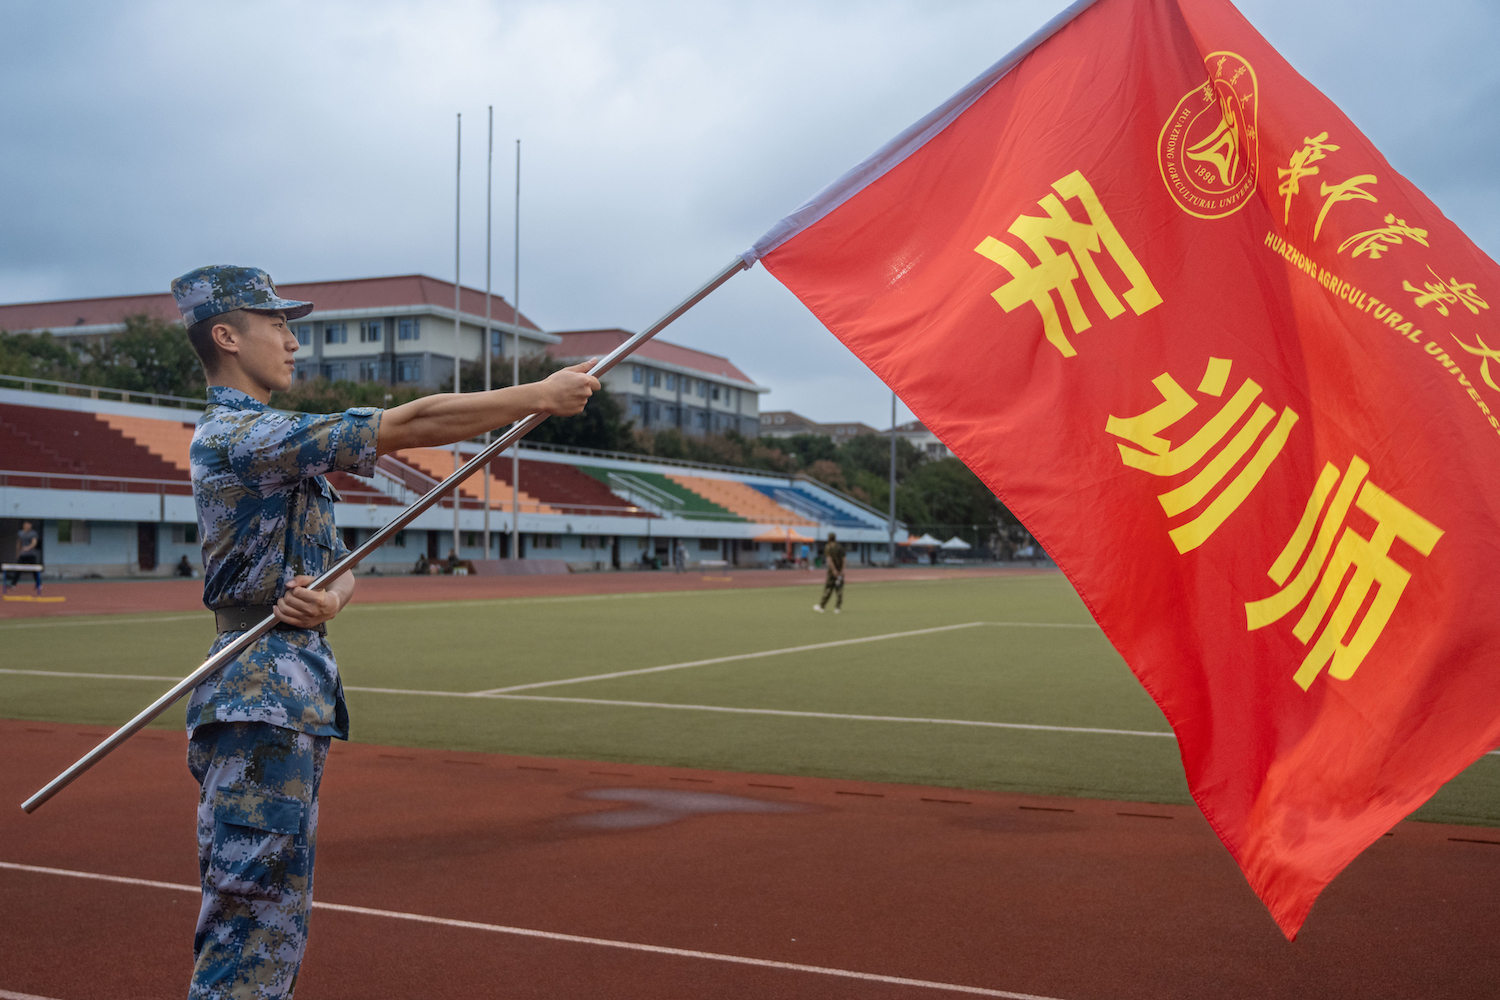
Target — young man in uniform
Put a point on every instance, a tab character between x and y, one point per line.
833	559
259	729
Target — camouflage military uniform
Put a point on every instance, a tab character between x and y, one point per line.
833	559
260	727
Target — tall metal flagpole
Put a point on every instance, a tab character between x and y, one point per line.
376	539
891	529
489	175
458	164
515	371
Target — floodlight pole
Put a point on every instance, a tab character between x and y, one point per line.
515	370
377	539
891	527
458	162
489	176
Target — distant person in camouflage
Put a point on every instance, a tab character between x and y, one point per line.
259	729
833	582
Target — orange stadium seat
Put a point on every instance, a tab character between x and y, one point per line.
738	498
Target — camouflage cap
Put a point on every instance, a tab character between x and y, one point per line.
209	291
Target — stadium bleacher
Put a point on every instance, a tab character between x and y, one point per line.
739	498
805	502
72	441
655	489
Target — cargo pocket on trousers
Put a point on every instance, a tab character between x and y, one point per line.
254	842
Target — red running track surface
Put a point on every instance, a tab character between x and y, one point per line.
1073	899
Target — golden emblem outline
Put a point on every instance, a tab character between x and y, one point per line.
1210	163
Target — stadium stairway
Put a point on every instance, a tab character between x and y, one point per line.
805	502
169	440
438	464
653	487
739	498
564	486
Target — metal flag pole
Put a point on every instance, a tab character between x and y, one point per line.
489	175
458	166
515	371
512	434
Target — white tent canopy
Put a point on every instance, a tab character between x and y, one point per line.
924	540
956	543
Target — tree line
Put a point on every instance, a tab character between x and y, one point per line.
939	495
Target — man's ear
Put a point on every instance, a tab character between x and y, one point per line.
225	338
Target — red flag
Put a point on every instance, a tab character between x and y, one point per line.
1234	372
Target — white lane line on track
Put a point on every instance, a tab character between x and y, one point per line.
770	652
551	936
8	995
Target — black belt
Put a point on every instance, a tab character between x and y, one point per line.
240	619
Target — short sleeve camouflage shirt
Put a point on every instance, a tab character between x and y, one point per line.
265	514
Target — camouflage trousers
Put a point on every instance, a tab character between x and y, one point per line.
257	831
834	583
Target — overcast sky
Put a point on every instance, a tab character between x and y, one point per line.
316	140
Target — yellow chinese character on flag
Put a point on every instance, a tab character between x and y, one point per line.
1369	558
1450	292
1314	149
1378	241
1347	191
1056	272
1160	457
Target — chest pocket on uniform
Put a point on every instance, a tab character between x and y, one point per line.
313	539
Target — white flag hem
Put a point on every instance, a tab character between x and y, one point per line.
905	144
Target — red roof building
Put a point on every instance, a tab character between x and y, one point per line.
397	330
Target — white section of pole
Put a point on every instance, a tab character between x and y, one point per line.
458	163
249	637
515	370
489	176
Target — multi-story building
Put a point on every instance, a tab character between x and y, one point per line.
398	330
666	385
922	439
785	424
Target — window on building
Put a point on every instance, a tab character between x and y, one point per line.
497	343
716	392
656	380
369	371
544	542
399	541
338	372
185	534
635	374
708	545
409	370
409	329
335	333
671	382
304	333
702	388
472	540
638	408
700	420
371	331
593	541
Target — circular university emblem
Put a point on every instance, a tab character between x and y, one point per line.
1209	150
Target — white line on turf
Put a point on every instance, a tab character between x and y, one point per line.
70	622
98	677
553	936
731	659
832	715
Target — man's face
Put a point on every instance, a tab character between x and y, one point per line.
265	351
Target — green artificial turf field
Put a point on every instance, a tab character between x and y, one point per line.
408	667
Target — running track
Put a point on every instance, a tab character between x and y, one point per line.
1059	898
